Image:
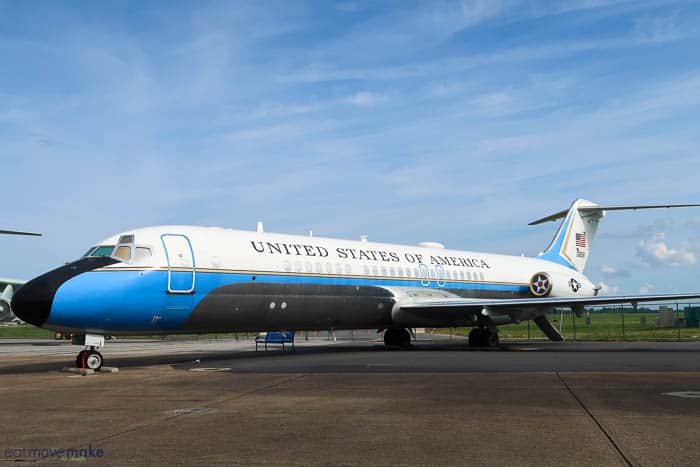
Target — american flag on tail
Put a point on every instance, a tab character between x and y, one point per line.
581	239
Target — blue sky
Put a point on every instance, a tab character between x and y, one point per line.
447	121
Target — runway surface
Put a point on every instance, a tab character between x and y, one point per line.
354	403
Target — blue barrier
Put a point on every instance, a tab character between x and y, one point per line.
275	338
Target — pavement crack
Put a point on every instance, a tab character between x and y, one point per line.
600	426
180	415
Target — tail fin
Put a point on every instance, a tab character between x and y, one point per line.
572	243
7	293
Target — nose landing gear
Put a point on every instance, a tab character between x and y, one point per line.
90	357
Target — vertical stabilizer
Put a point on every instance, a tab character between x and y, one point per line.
572	243
7	293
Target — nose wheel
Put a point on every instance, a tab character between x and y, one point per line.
90	358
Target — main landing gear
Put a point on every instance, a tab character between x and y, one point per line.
90	357
483	337
397	338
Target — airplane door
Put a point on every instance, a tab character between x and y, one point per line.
440	275
424	275
181	265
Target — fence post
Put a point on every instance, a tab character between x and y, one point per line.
528	329
622	314
678	324
573	315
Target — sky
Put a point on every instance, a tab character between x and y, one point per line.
449	121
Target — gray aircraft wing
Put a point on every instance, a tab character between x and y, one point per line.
569	302
448	311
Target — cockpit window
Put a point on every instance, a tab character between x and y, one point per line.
103	250
142	253
87	253
126	239
123	252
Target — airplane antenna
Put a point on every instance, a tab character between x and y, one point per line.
311	233
260	227
363	238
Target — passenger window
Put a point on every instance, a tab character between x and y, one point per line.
123	253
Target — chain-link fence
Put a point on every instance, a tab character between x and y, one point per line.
660	322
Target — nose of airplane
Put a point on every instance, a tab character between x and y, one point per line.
32	302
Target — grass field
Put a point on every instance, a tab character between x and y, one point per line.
24	331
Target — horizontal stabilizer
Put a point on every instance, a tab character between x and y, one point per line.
547	328
584	209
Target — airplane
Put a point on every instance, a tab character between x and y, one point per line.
8	286
189	279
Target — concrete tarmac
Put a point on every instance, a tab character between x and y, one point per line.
354	403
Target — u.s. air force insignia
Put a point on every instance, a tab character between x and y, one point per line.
540	284
574	284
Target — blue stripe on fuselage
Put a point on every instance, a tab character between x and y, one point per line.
136	300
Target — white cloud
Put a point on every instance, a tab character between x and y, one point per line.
646	288
656	252
348	7
366	99
495	103
611	271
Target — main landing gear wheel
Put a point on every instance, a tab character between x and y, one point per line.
397	338
91	359
483	337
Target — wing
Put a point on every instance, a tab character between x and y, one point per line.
548	302
435	309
